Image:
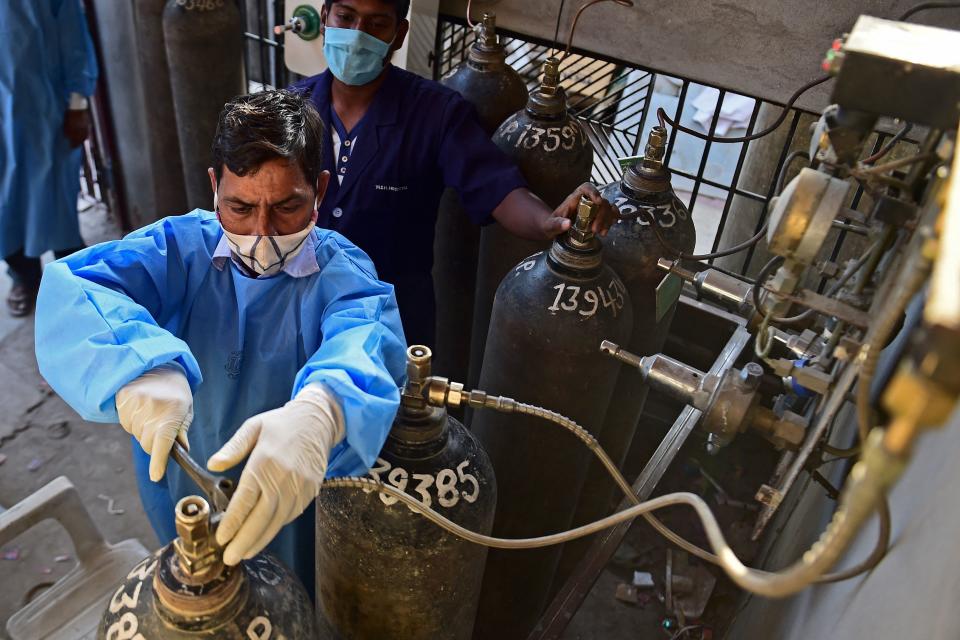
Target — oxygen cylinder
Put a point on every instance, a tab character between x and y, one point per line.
552	311
485	79
555	156
204	42
164	146
384	571
632	249
496	91
184	591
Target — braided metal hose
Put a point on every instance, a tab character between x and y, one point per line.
864	492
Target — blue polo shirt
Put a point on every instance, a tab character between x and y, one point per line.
417	138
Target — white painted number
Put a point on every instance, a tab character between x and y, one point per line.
570	304
200	5
449	485
612	297
260	628
382	466
569	134
424	482
549	139
143	570
591	297
125	628
398	478
553	134
468	478
666	215
121	600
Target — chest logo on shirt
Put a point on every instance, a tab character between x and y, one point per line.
390	187
234	362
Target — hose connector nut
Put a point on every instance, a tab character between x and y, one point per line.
656	148
750	375
580	232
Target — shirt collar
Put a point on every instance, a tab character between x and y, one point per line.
302	265
384	110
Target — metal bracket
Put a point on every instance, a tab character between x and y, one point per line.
571	596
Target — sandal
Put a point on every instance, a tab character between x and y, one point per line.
21	300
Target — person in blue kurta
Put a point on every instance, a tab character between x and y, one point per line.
245	333
47	71
396	141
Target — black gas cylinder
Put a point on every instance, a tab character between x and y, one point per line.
552	311
632	248
496	91
384	571
204	44
555	156
185	592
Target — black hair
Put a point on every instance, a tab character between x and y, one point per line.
259	127
402	6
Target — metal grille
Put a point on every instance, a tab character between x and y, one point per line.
617	102
262	51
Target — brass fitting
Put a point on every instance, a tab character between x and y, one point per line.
580	232
915	402
418	362
656	148
550	83
418	372
785	432
488	30
444	393
198	556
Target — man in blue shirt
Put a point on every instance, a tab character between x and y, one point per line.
396	141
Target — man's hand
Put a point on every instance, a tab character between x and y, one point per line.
288	449
561	220
156	409
76	126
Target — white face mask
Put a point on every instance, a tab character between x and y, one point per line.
266	255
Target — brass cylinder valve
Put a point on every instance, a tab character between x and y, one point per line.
418	371
548	99
580	232
198	558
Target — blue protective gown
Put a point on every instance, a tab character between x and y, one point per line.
45	55
111	312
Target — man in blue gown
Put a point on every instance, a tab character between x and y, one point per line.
247	334
47	70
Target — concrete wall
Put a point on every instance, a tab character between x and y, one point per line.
911	594
761	47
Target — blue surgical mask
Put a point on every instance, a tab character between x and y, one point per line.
355	57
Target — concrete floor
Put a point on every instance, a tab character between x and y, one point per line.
41	438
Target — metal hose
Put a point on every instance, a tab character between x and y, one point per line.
863	493
871	561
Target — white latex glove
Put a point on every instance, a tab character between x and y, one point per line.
288	449
157	408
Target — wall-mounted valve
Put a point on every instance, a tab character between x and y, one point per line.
727	399
305	23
